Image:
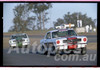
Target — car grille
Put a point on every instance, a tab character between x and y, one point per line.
72	40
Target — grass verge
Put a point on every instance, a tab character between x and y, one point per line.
43	32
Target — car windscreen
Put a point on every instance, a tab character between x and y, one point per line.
63	33
19	36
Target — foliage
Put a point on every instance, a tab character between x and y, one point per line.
34	16
72	18
24	19
40	10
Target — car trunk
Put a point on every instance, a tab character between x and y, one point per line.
72	42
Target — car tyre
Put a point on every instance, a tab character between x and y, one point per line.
83	51
43	49
26	46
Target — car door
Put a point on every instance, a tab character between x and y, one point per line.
48	37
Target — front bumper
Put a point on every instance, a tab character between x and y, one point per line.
14	44
63	47
23	44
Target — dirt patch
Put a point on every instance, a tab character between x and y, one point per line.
5	42
92	46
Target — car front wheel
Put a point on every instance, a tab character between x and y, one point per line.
43	50
83	51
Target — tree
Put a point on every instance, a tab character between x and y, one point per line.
95	20
11	29
22	20
45	20
59	22
72	18
67	18
40	10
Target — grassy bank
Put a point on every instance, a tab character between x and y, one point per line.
43	32
35	32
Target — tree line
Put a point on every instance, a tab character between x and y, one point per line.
30	16
34	16
72	18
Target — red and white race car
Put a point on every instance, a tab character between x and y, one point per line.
64	39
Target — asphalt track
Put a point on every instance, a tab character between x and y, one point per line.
37	59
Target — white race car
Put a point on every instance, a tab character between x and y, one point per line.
63	39
19	40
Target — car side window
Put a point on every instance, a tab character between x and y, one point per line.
48	36
25	35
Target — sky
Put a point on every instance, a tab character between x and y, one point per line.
58	10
